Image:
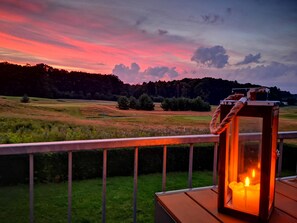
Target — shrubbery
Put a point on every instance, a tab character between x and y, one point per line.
146	103
25	99
143	103
52	167
123	103
185	104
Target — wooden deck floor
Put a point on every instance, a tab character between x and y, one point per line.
201	205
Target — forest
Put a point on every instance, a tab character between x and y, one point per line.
45	81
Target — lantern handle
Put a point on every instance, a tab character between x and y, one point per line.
217	129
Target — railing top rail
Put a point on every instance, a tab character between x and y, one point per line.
76	145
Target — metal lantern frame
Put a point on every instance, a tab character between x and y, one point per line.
269	112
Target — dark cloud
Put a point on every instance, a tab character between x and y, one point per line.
122	69
212	57
229	11
140	20
212	19
250	59
273	74
133	74
162	32
161	72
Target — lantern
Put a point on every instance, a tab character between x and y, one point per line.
247	161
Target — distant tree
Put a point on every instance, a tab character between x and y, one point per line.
173	104
146	103
165	105
182	104
123	103
198	104
134	104
185	104
25	99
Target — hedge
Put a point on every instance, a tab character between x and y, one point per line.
52	167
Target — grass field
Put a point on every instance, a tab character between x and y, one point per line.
51	199
56	120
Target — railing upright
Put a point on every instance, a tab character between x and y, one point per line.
31	186
280	158
69	186
190	177
164	169
135	185
215	164
104	171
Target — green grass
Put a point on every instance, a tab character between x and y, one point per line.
51	199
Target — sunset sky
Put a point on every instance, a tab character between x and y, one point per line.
148	40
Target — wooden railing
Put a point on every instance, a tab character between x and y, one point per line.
136	143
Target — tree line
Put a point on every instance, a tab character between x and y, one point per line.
42	80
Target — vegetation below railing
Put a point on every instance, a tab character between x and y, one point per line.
51	199
52	167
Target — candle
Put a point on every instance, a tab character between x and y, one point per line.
238	195
252	198
245	196
253	173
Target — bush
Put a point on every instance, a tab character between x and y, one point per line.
185	104
165	105
133	103
198	104
146	103
123	103
25	99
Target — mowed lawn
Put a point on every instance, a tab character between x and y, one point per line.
51	199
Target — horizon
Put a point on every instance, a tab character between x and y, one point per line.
138	41
30	65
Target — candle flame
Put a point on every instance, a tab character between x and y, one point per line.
253	173
247	181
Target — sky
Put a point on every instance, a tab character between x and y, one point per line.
252	41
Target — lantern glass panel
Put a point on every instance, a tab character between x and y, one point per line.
244	159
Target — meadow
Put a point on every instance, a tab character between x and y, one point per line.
63	119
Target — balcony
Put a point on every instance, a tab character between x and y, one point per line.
31	149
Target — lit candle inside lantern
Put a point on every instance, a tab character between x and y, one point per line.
246	196
247	181
238	195
253	198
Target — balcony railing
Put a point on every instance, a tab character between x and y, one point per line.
136	143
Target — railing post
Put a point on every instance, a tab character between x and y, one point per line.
135	184
104	171
190	166
280	158
31	186
215	164
69	186
164	169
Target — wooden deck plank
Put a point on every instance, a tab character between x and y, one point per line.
183	209
279	216
286	204
208	199
201	205
286	190
292	182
